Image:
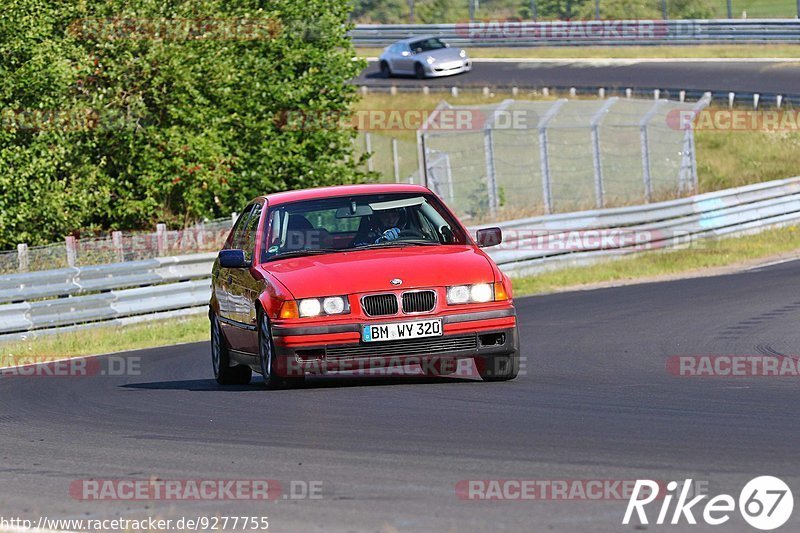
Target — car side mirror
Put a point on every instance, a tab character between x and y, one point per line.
487	237
233	259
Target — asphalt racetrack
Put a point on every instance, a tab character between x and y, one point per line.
776	77
595	402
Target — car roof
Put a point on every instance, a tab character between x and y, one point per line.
416	38
343	190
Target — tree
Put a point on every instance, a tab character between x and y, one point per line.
165	111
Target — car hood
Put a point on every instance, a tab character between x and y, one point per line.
371	270
444	54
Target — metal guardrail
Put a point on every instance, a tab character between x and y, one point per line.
587	33
656	226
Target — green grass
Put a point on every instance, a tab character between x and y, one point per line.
629	52
704	254
101	340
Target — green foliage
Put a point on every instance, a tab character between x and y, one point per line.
158	125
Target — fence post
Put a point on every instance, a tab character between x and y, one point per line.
596	162
535	14
234	216
395	161
645	144
422	159
488	153
72	251
161	239
730	10
116	238
664	13
22	257
543	160
491	178
368	148
201	235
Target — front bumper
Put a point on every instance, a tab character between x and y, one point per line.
318	349
449	68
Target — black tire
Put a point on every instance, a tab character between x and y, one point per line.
419	71
386	71
270	368
224	373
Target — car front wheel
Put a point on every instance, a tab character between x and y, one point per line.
269	361
386	71
419	71
224	373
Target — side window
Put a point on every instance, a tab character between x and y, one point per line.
235	237
250	231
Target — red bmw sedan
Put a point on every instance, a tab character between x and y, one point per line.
356	278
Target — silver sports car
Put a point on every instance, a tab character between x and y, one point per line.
423	57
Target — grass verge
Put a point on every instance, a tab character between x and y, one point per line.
703	257
742	51
105	340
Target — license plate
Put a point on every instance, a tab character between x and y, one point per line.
401	330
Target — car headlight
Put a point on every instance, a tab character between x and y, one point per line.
430	60
482	292
463	54
331	305
478	293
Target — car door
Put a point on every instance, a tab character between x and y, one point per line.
245	289
227	300
223	279
404	61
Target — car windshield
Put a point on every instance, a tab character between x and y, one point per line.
427	45
358	222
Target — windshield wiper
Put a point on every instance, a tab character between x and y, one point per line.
301	253
395	244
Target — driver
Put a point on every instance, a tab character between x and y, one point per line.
382	226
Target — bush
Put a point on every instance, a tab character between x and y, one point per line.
120	114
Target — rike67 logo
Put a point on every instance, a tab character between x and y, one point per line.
765	502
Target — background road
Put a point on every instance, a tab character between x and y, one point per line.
744	76
595	403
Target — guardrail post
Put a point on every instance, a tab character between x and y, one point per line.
543	159
116	238
596	162
22	257
72	251
395	161
161	239
645	143
491	178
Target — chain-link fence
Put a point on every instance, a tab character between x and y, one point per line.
117	247
525	158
